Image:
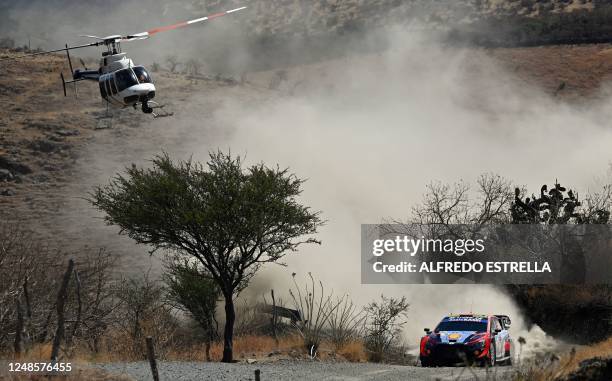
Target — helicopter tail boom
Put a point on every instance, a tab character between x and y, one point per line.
77	75
64	82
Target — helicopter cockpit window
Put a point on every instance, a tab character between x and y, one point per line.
113	86
125	78
103	89
142	74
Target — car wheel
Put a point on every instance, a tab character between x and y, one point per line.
508	361
508	356
426	363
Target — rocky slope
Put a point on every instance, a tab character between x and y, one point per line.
303	17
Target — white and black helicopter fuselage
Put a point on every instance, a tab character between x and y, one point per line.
122	84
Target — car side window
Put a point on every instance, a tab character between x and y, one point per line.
495	324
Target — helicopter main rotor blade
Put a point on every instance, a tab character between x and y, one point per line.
153	31
52	51
90	36
132	38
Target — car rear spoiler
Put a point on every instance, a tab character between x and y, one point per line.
505	319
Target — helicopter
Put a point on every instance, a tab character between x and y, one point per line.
122	84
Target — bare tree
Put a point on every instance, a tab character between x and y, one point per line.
60	304
385	320
446	205
597	205
144	311
494	201
93	299
30	276
250	318
173	63
27	274
193	67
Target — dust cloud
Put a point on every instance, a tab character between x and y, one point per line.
370	132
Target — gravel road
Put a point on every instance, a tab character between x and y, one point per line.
300	371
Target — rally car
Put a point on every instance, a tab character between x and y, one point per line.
467	339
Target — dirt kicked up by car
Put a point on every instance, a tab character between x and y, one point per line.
468	339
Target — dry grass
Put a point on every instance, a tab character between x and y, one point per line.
582	68
77	375
39	352
251	346
354	351
245	347
113	349
248	346
567	363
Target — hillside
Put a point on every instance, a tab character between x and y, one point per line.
45	135
315	17
271	25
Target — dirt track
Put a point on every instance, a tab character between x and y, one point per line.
302	371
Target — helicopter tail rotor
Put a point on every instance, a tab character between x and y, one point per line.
76	75
74	81
71	73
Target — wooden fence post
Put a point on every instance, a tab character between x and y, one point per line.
151	356
61	301
274	321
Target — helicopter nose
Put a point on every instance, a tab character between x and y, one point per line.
144	89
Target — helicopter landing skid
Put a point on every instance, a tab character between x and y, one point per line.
159	111
105	121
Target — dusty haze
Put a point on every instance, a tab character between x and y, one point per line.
369	132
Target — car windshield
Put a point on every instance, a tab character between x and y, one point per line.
125	78
462	325
142	74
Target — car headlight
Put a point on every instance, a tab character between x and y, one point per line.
429	342
477	341
479	344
